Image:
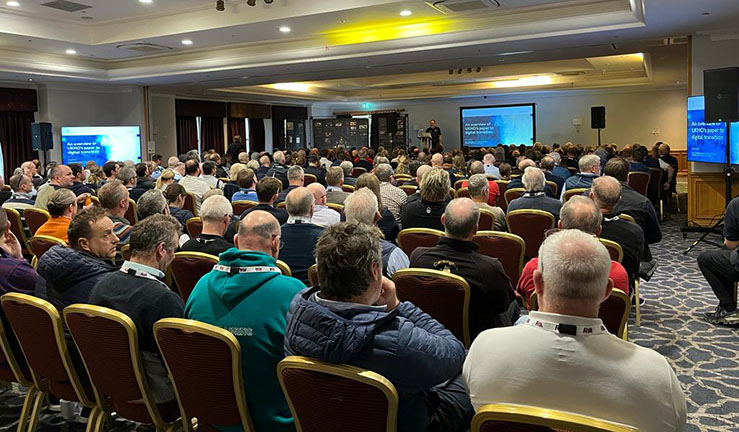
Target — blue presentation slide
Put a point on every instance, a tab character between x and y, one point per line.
707	141
490	126
101	144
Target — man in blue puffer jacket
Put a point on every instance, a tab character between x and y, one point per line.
354	317
69	274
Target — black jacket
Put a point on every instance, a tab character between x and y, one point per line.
422	214
206	243
319	172
279	214
181	215
279	172
631	239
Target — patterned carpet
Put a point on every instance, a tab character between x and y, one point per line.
704	356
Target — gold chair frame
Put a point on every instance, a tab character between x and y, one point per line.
36	210
491	215
344	371
194	203
569	193
313	275
242	202
23	239
284	268
408	231
334	206
514	190
187	222
30	399
511	236
610	244
184	254
47	238
554	187
555	419
132	205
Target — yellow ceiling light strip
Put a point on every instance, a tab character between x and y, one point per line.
383	31
523	82
291	86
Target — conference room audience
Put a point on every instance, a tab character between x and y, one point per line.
138	290
78	185
295	178
264	165
299	234
547	167
476	167
606	193
110	170
151	202
637	161
492	300
70	273
21	198
426	212
582	214
478	186
127	177
165	179
335	180
114	199
279	169
348	168
354	317
176	194
392	196
362	206
316	169
208	177
62	206
59	177
246	181
387	224
589	169
489	165
253	306
571	362
16	275
192	183
535	198
216	215
517	182
267	190
559	170
322	214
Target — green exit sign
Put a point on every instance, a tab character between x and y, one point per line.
366	105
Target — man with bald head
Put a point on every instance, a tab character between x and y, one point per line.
61	176
246	294
606	192
535	197
322	214
517	182
300	234
264	166
437	161
492	302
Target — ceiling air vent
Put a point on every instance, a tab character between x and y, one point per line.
145	47
66	6
463	6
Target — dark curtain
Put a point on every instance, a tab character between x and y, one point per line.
236	126
15	138
257	135
211	133
375	132
187	134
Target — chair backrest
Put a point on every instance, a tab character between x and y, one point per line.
313	275
13	366
40	332
108	341
16	227
309	178
463	193
530	225
458	184
188	268
35	217
411	238
487	220
511	194
639	181
572	170
502	188
400	181
284	268
41	243
569	193
409	189
194	226
508	248
627	217
240	207
189	203
614	311
126	252
554	187
358	171
193	351
282	204
347	188
132	214
338	208
614	250
452	193
654	190
443	295
337	398
95	201
520	418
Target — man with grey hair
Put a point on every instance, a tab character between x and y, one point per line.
296	179
476	167
61	176
565	341
558	169
257	302
348	167
606	192
114	199
361	206
589	166
243	157
279	170
489	165
151	202
492	300
335	180
138	290
127	177
579	213
535	198
479	189
300	234
322	214
517	182
216	214
393	197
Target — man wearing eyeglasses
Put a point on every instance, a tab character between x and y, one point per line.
216	214
246	294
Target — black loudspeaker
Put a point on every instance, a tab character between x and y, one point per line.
598	117
42	138
721	88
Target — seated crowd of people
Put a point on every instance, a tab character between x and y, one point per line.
560	356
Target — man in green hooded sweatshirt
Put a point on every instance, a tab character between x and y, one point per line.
246	294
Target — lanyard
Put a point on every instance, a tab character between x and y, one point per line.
242	270
613	219
568	329
534	194
139	273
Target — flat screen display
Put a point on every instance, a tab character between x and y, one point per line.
101	144
707	141
502	124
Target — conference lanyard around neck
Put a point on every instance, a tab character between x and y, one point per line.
567	329
243	270
125	268
611	219
534	194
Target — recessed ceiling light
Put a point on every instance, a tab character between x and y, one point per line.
406	13
285	29
145	1
71	51
13	3
186	42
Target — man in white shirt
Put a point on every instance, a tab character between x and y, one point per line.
322	214
563	357
490	168
192	183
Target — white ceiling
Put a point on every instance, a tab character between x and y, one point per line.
334	40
